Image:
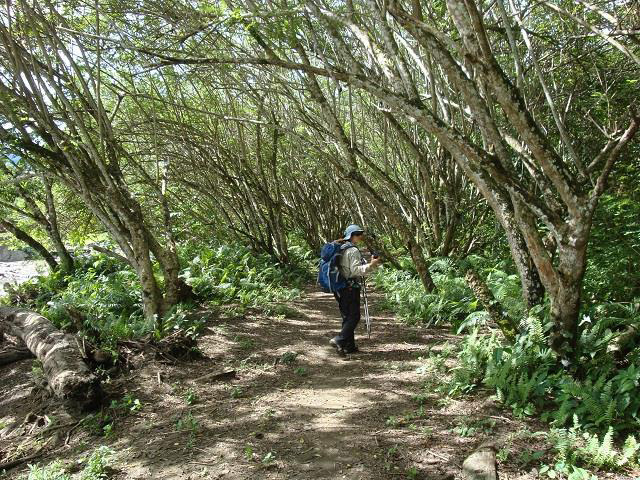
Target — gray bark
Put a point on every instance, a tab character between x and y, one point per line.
54	231
14	354
152	300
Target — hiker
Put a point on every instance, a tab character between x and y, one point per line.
353	267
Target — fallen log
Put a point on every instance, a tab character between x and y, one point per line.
14	463
68	377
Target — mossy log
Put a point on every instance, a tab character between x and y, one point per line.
68	377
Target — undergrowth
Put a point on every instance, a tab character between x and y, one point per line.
592	406
230	274
452	302
96	467
102	297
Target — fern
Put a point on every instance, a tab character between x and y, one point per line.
535	330
473	358
565	443
629	452
574	447
607	454
443	265
607	401
600	454
452	303
527	375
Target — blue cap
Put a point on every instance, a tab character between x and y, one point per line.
351	229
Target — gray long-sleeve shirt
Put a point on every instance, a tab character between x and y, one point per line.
352	265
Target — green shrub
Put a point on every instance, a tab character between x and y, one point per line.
97	465
102	297
529	378
610	400
573	447
527	375
612	273
475	354
229	274
405	295
53	471
453	301
110	303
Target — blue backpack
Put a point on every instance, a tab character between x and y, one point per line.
329	277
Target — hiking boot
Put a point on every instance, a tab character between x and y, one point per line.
334	343
353	349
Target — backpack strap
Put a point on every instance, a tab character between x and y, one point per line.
346	246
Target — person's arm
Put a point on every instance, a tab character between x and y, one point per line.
355	267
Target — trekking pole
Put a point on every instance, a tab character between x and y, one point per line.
367	318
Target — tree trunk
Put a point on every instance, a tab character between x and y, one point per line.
562	279
67	375
422	268
503	208
54	232
32	242
281	242
565	310
176	290
491	304
566	299
532	288
152	301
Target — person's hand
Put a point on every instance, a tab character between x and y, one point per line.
375	261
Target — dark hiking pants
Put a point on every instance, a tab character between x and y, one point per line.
349	303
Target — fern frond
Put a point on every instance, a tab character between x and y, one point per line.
629	452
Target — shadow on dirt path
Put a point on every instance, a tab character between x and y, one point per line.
321	416
296	410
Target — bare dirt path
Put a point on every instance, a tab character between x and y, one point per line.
295	410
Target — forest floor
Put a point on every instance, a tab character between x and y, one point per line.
295	409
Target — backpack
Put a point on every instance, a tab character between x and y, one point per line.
330	278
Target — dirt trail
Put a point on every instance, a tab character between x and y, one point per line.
321	417
317	416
